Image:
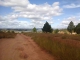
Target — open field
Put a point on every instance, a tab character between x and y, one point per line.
61	46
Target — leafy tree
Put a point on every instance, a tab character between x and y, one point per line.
71	27
56	31
34	29
77	29
47	28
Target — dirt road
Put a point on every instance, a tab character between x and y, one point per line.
22	48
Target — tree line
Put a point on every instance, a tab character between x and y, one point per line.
71	28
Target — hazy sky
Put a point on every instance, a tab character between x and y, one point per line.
34	13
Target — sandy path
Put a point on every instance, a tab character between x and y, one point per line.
22	48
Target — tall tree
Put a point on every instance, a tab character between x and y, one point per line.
77	29
71	27
47	28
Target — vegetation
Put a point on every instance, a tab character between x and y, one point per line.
56	31
71	27
77	29
47	28
34	29
9	34
61	46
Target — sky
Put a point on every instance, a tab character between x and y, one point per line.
34	13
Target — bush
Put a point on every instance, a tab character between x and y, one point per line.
56	31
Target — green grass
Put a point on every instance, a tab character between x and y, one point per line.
59	50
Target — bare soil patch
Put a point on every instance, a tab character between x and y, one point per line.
22	48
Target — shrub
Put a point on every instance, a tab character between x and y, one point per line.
56	31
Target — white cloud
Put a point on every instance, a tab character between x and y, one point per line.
38	13
72	6
66	21
14	2
5	23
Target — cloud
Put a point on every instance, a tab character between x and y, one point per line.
72	6
5	23
11	3
38	13
66	21
10	22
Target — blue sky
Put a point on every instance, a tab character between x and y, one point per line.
34	13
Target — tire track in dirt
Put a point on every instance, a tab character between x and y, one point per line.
22	48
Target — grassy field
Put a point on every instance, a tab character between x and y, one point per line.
7	34
61	46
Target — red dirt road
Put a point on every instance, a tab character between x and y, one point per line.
22	48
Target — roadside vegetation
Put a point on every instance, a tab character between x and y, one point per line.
63	47
8	34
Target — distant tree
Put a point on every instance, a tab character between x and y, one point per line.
47	28
71	27
12	31
34	29
56	31
9	31
1	31
77	29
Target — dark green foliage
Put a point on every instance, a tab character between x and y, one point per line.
71	27
34	29
47	28
77	29
56	31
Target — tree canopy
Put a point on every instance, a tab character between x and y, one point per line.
34	29
47	28
71	27
77	29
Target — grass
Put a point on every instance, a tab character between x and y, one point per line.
53	43
7	35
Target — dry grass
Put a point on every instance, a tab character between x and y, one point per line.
7	35
63	47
